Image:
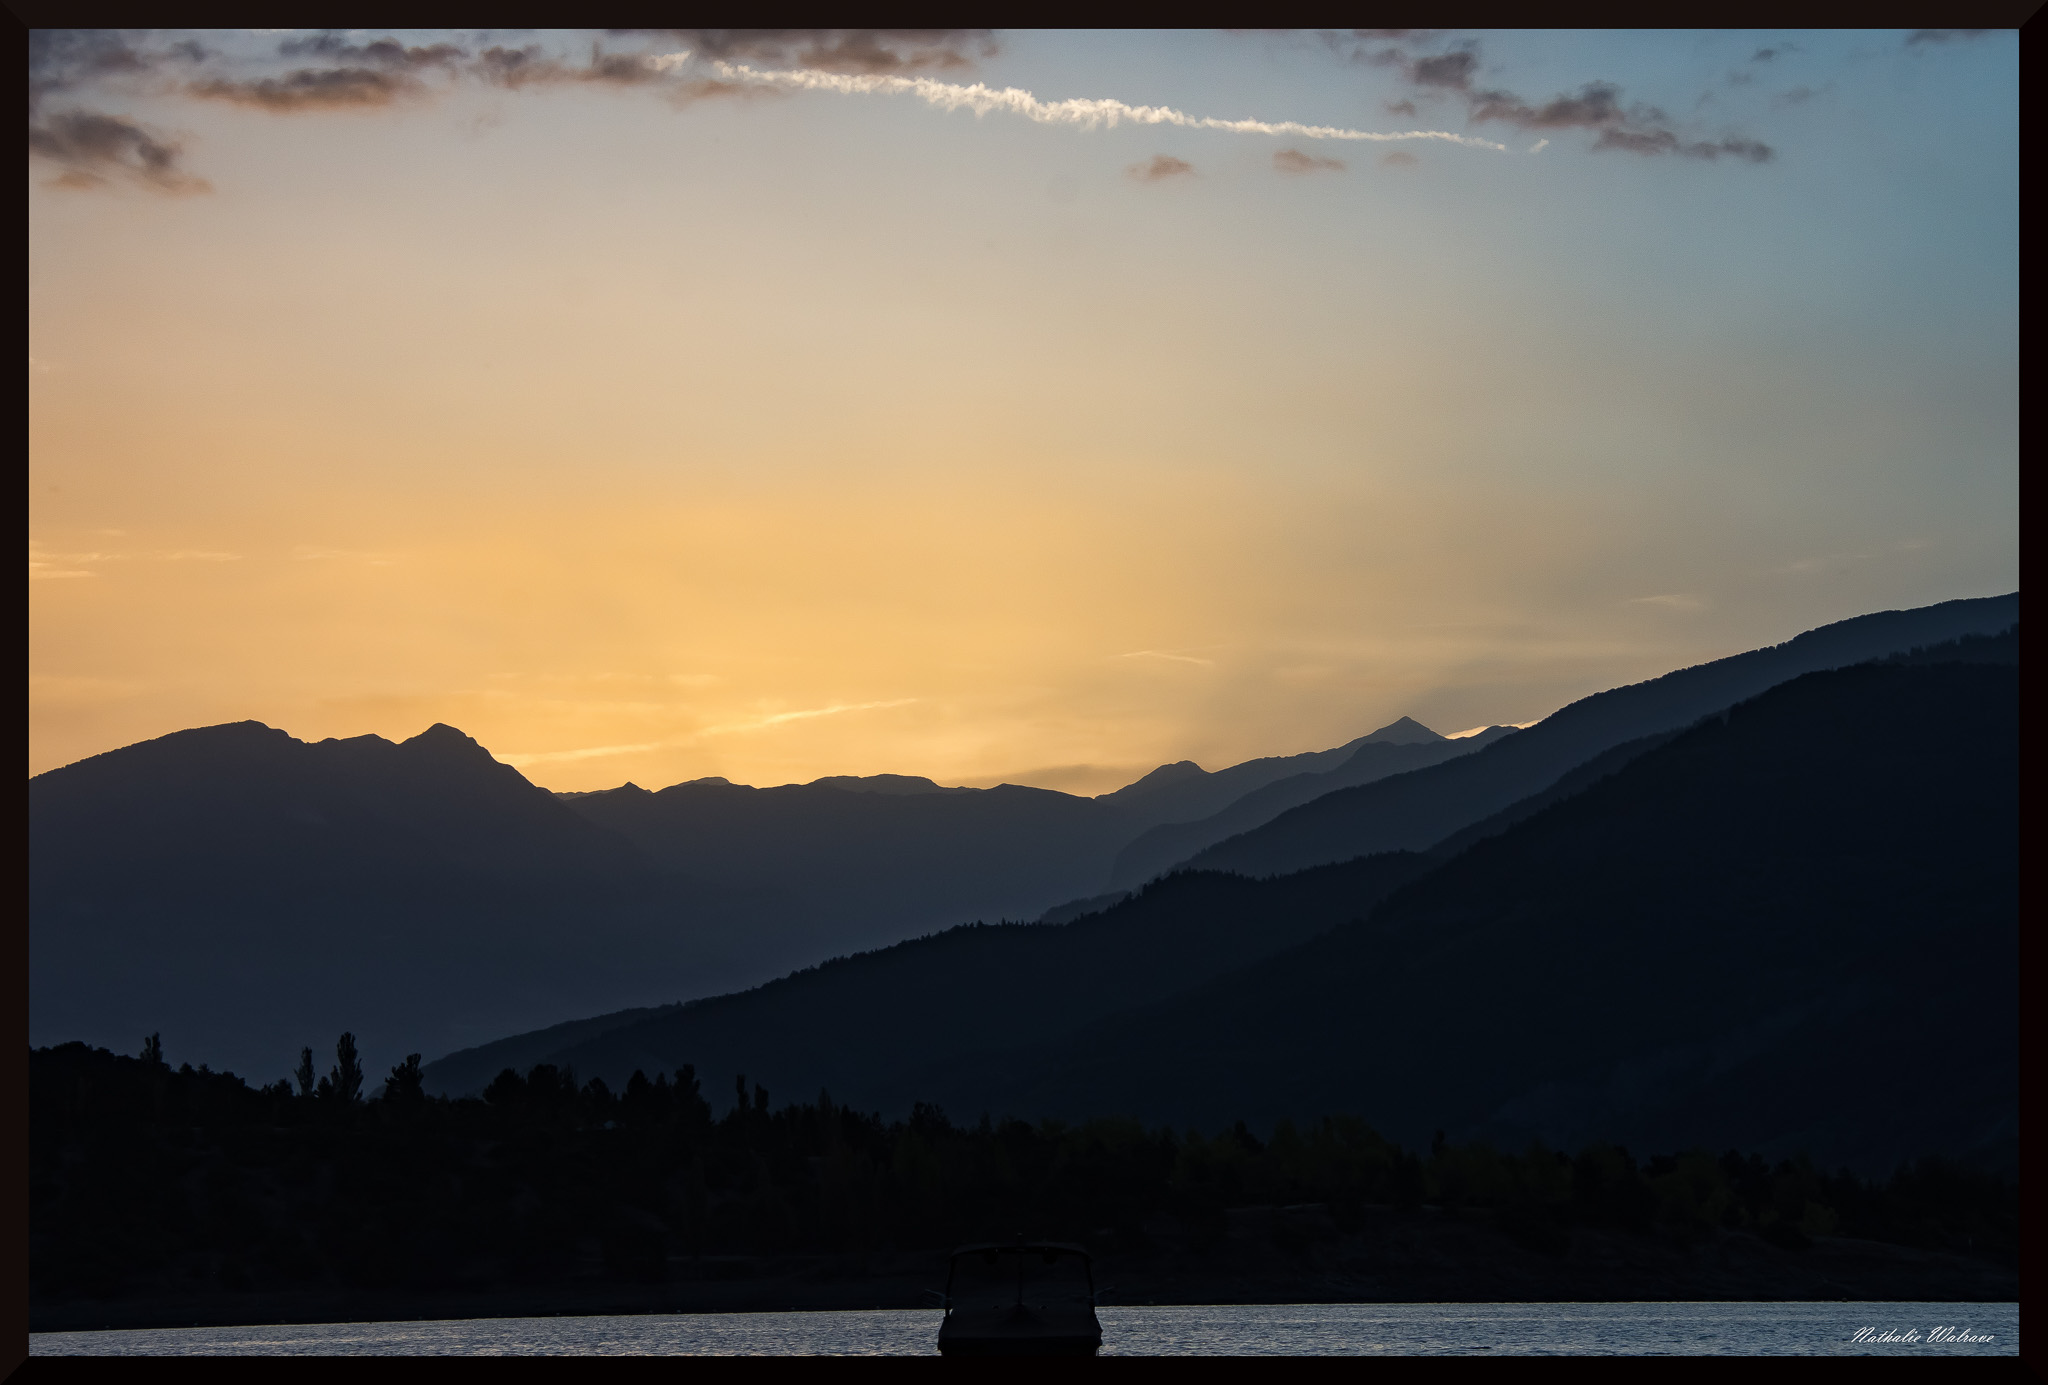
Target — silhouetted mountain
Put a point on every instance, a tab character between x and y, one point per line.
1415	810
1184	791
874	1028
246	892
243	891
1374	759
1791	927
1757	931
874	864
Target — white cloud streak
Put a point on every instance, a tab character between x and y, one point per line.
1162	654
1087	113
596	752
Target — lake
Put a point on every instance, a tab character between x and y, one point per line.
1315	1329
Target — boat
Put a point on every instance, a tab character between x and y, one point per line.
1020	1298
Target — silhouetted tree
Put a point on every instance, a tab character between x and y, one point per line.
153	1051
345	1080
304	1072
406	1085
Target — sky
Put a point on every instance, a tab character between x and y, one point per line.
994	406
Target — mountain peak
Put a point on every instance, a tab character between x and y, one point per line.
1406	731
1177	772
443	738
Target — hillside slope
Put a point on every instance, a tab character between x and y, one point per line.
1415	810
1169	843
879	1029
1795	927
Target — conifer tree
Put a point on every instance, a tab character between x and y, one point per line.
346	1078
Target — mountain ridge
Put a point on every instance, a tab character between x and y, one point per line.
1411	811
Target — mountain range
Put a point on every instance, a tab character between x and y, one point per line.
1776	929
246	893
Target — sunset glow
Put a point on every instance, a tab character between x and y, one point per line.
716	419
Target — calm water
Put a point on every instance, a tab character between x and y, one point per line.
1422	1329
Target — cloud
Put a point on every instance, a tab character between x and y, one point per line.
857	52
383	52
1294	161
593	752
1452	69
779	718
314	89
92	146
357	73
1596	106
1637	129
727	729
1164	654
1086	112
1919	36
1161	166
1665	142
1398	158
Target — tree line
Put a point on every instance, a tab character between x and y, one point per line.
149	1178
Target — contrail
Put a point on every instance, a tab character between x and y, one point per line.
1086	113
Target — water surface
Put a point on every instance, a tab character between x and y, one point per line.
1313	1329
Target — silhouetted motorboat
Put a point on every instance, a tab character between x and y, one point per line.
1023	1298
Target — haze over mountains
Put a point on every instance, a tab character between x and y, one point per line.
250	892
246	893
1707	942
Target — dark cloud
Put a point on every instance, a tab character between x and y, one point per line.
1944	35
1294	161
1666	142
1160	166
91	147
1596	105
314	89
518	68
1637	129
857	52
383	52
60	59
1797	96
1399	158
1445	70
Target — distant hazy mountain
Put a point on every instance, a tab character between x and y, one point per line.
1748	933
879	1029
247	893
1795	927
1414	810
1184	791
1371	759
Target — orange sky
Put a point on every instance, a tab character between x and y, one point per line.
824	434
